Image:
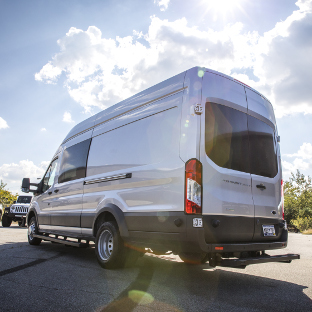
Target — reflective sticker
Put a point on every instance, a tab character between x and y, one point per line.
197	222
198	109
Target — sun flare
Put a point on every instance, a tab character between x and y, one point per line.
223	5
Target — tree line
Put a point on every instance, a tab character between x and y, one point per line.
6	197
298	201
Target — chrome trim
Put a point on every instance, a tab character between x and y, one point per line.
111	178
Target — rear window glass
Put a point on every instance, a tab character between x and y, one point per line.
263	157
237	141
227	137
74	162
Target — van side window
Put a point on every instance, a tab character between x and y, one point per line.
74	160
238	141
48	178
226	137
263	156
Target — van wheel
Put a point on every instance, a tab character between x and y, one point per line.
109	246
6	221
33	229
193	258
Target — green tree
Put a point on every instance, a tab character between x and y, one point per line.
6	197
298	197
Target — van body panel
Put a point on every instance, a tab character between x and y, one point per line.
163	89
227	89
151	158
190	122
67	203
260	105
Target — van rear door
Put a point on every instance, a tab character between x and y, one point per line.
265	168
228	210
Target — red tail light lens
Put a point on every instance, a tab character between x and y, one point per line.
193	187
282	198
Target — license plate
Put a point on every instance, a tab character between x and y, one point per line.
268	230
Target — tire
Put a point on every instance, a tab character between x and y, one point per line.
33	229
193	258
6	221
109	246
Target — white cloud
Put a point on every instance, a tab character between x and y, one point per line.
101	71
43	129
48	73
163	4
67	117
302	160
13	173
305	152
283	63
3	124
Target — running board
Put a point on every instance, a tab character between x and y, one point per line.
243	262
62	241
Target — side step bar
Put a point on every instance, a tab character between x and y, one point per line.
243	262
62	241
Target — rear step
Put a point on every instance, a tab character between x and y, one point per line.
243	262
62	241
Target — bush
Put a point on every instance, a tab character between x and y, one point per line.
303	224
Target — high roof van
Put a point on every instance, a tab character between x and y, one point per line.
191	165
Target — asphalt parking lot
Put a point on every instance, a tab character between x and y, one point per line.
52	277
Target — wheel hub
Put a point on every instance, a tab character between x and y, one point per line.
105	245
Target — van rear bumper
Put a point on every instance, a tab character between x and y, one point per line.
238	247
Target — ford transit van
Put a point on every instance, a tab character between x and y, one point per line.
191	165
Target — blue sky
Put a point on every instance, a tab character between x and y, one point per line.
62	61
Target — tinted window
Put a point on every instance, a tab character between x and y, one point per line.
263	156
48	178
237	141
74	161
227	137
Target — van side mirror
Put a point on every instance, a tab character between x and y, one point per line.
26	185
14	202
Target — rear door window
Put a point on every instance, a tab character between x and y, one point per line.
238	141
227	137
263	157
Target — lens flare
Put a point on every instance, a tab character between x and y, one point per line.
140	297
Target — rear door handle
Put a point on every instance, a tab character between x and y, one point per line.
261	186
55	191
49	193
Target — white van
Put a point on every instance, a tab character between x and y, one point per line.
191	165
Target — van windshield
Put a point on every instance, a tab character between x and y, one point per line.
238	141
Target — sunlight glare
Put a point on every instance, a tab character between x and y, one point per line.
223	5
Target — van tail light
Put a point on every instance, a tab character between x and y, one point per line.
193	187
282	198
